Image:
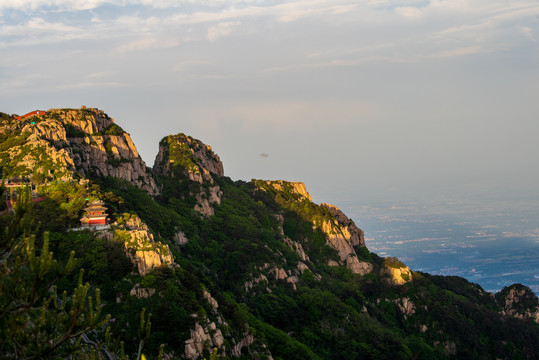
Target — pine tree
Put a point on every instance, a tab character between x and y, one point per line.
35	321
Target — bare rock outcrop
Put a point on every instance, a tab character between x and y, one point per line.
519	301
141	292
180	238
356	235
185	158
342	234
141	248
203	337
70	143
292	187
207	199
395	272
297	247
208	334
338	237
405	306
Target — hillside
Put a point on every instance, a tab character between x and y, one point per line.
228	269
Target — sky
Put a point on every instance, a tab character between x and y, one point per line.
361	100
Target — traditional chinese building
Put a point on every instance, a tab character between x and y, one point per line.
35	112
95	214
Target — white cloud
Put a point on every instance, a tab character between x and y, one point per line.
38	30
409	11
147	44
469	50
186	65
55	4
89	85
285	115
100	74
221	30
527	32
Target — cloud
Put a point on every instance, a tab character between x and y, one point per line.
187	65
409	11
527	32
100	74
145	44
287	116
36	26
89	85
221	30
469	50
72	5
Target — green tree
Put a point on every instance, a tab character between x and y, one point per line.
35	321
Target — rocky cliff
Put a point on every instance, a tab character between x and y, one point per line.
140	246
519	301
294	188
72	143
186	159
345	237
356	235
341	233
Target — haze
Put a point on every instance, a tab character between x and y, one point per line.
358	99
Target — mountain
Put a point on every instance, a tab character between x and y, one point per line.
228	269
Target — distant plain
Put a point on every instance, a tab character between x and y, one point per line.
492	243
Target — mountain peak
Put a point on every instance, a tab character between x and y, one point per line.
62	144
182	156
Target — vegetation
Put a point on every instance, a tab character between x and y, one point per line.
36	321
114	129
393	262
180	154
309	311
73	132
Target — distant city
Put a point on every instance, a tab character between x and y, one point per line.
492	243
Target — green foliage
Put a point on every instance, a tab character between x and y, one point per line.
34	320
116	162
364	254
180	154
62	207
393	262
114	129
5	117
104	261
13	139
73	132
405	276
123	197
527	299
281	344
14	150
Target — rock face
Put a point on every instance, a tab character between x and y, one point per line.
203	337
186	159
207	334
345	237
140	292
145	253
405	306
519	301
182	156
293	187
395	273
207	199
341	232
357	236
72	143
